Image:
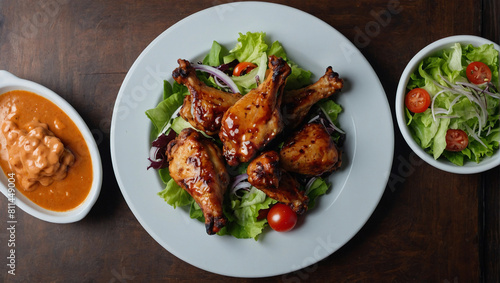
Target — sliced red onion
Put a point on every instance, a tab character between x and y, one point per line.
153	154
240	183
157	153
239	178
226	68
219	75
331	122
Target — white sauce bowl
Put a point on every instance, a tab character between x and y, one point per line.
9	82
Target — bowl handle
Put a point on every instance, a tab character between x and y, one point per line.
6	76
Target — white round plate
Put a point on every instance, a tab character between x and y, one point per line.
356	188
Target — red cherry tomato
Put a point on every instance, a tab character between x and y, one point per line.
281	217
417	100
243	68
456	140
478	73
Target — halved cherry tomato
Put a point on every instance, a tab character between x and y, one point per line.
243	68
417	100
281	217
478	73
456	140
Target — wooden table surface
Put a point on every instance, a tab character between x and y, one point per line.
430	226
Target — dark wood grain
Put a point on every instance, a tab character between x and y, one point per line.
490	186
430	226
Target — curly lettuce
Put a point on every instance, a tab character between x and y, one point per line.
447	69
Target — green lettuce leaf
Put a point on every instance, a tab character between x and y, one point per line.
331	108
318	188
430	133
175	195
249	48
243	215
161	114
215	56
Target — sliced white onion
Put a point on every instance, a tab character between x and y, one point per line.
309	184
473	86
473	97
314	118
473	134
167	126
432	104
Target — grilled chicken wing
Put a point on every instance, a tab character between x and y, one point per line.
205	105
197	165
310	151
297	103
265	173
254	120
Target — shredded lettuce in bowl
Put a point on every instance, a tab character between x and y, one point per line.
457	103
242	204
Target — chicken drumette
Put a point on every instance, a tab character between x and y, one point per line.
265	173
254	120
310	151
297	103
197	165
205	105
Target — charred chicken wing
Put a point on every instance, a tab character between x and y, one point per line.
265	173
297	103
254	120
310	151
197	166
205	105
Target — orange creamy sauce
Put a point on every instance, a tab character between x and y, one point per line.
23	110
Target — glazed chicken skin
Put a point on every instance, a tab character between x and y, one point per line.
205	105
265	173
255	120
311	151
297	103
196	164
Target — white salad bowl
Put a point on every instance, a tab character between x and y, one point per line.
440	163
9	82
